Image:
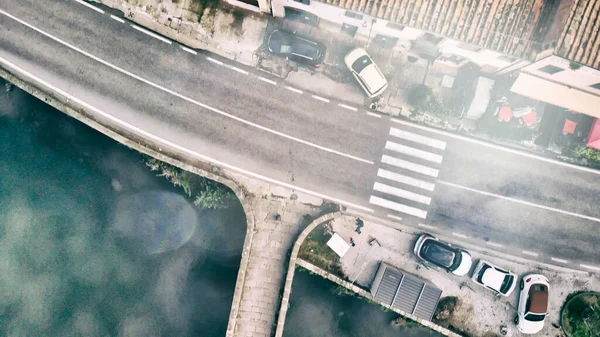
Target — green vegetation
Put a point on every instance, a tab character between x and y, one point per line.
314	249
581	315
207	193
423	100
588	153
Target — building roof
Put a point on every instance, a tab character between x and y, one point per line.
580	39
561	95
521	28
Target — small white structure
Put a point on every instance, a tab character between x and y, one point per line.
338	245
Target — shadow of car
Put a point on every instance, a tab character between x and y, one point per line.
296	48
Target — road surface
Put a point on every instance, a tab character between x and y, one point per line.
256	124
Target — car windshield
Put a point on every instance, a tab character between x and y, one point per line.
285	49
441	255
481	273
506	283
361	63
535	317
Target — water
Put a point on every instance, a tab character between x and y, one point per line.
94	244
316	310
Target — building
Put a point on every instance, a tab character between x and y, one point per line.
497	35
568	75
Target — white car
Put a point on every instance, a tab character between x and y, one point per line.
533	303
494	278
366	72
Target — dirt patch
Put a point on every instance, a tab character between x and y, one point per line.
315	250
445	310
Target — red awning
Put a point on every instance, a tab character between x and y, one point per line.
530	118
569	126
594	137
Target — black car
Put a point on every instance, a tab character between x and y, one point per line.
296	48
443	255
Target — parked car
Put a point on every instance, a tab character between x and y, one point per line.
533	303
296	48
366	72
494	278
443	255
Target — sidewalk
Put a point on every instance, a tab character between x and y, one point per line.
476	310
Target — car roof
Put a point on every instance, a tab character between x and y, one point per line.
306	49
372	77
538	298
439	252
493	278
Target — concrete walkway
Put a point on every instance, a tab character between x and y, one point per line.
257	294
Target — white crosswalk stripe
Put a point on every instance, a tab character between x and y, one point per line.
398	207
413	137
428	171
411	151
402	193
405	179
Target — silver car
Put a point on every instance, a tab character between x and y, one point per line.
366	72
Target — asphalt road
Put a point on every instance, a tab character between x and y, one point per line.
249	120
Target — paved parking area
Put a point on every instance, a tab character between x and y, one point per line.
479	311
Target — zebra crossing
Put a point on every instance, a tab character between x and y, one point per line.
407	172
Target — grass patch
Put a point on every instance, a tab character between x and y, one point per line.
581	315
314	249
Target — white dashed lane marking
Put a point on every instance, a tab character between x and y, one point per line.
267	80
149	33
116	18
322	99
241	71
426	226
526	252
460	235
559	260
493	244
214	61
90	6
589	267
347	107
372	114
191	51
298	91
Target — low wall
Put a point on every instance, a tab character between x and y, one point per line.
294	260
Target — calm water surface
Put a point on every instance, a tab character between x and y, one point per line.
93	244
316	310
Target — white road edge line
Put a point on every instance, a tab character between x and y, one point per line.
559	260
519	201
426	226
460	235
323	99
493	244
342	105
494	146
372	114
175	146
90	6
116	18
149	33
298	91
394	217
589	267
526	252
214	61
191	51
267	80
185	98
241	71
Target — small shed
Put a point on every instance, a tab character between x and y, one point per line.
405	292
